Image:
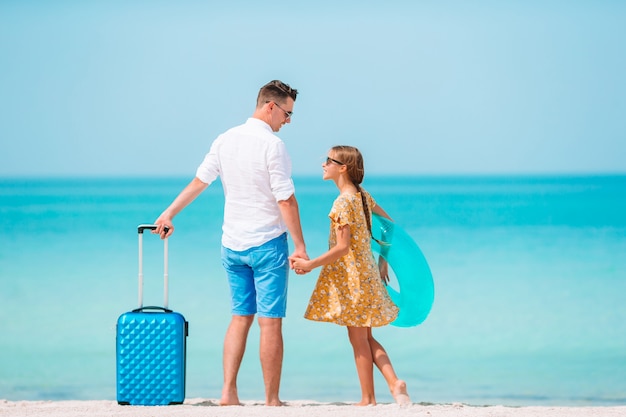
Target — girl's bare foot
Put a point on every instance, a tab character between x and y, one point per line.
400	394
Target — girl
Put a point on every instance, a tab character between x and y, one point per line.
350	290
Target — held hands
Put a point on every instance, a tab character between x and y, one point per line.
300	265
300	255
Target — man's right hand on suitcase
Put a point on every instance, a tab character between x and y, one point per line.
164	228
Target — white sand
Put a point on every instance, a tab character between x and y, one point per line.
206	408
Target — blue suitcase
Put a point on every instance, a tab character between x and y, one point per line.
151	348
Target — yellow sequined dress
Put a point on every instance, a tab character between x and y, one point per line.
349	292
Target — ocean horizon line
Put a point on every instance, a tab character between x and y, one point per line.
304	176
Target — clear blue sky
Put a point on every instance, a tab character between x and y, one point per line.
422	87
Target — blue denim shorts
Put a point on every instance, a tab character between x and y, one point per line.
258	278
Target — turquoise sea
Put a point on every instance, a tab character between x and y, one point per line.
529	273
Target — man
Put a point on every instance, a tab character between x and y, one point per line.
260	207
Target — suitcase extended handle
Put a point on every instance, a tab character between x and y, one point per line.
140	309
140	230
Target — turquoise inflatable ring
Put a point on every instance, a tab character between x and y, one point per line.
415	281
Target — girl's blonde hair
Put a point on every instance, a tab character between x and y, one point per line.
353	160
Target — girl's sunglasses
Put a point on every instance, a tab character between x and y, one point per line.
329	160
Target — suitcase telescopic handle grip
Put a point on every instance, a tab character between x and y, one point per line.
140	309
143	227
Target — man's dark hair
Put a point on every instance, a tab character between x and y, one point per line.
276	91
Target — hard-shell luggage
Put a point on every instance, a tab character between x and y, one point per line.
151	348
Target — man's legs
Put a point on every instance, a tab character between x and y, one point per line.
258	284
243	309
234	348
271	353
271	268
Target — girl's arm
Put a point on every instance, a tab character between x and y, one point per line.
340	249
383	267
379	210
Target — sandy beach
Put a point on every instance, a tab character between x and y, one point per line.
208	407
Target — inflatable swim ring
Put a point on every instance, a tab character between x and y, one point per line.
406	261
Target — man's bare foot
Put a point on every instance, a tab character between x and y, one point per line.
275	403
229	398
227	402
400	393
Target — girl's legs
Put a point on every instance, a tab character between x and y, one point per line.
383	363
359	338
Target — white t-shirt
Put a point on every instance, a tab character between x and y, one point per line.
255	170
